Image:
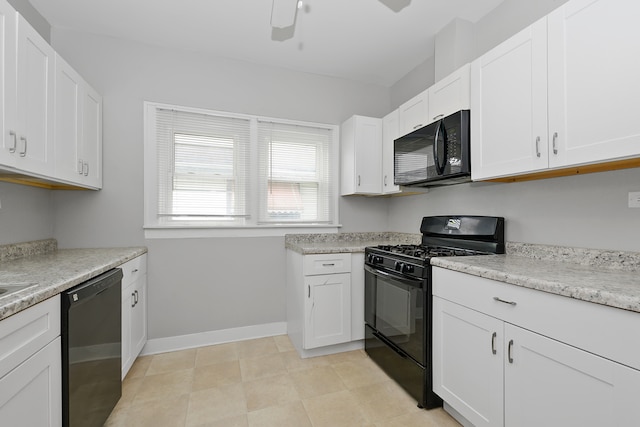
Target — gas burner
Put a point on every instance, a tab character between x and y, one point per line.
424	252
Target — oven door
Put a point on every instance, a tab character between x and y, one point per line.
394	308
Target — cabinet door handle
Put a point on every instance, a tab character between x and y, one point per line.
504	301
308	291
135	270
555	145
328	264
537	146
80	166
85	169
133	299
438	116
136	292
419	125
358	180
24	152
493	342
385	180
15	141
509	351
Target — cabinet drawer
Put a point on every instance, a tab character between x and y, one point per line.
603	330
26	332
326	264
133	269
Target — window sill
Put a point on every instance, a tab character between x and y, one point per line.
182	232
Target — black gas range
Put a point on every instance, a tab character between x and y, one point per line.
398	296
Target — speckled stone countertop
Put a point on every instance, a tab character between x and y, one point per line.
604	277
331	243
52	271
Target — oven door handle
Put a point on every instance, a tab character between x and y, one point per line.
416	283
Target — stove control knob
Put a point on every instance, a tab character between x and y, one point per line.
370	258
377	259
407	268
398	266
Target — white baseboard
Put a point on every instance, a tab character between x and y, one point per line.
182	342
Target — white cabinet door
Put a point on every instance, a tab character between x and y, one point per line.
35	90
361	155
509	106
91	137
68	122
31	394
8	125
327	310
449	95
357	296
78	128
390	131
593	81
414	113
139	316
550	383
468	362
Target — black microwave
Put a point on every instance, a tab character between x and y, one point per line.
436	154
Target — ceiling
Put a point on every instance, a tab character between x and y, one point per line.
371	41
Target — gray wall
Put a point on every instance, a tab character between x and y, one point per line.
197	285
33	17
26	213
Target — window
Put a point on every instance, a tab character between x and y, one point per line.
206	169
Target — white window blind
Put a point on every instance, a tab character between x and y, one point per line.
294	173
212	169
203	163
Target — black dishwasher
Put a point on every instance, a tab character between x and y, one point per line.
91	350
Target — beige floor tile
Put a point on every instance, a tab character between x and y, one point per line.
317	381
422	418
347	356
216	375
215	404
213	354
334	410
271	391
293	362
358	374
283	343
235	421
118	417
154	413
383	401
139	367
165	386
172	361
289	415
130	387
257	348
262	367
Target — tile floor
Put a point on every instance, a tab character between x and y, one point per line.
263	382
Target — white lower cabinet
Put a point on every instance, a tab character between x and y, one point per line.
500	364
320	297
134	310
31	367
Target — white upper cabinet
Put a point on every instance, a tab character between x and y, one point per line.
450	94
509	106
414	113
593	81
562	93
361	155
390	131
35	80
9	139
78	129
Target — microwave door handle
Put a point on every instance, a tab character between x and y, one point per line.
436	154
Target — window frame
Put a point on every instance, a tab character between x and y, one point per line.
154	227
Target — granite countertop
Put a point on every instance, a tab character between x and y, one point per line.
52	271
331	243
604	277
